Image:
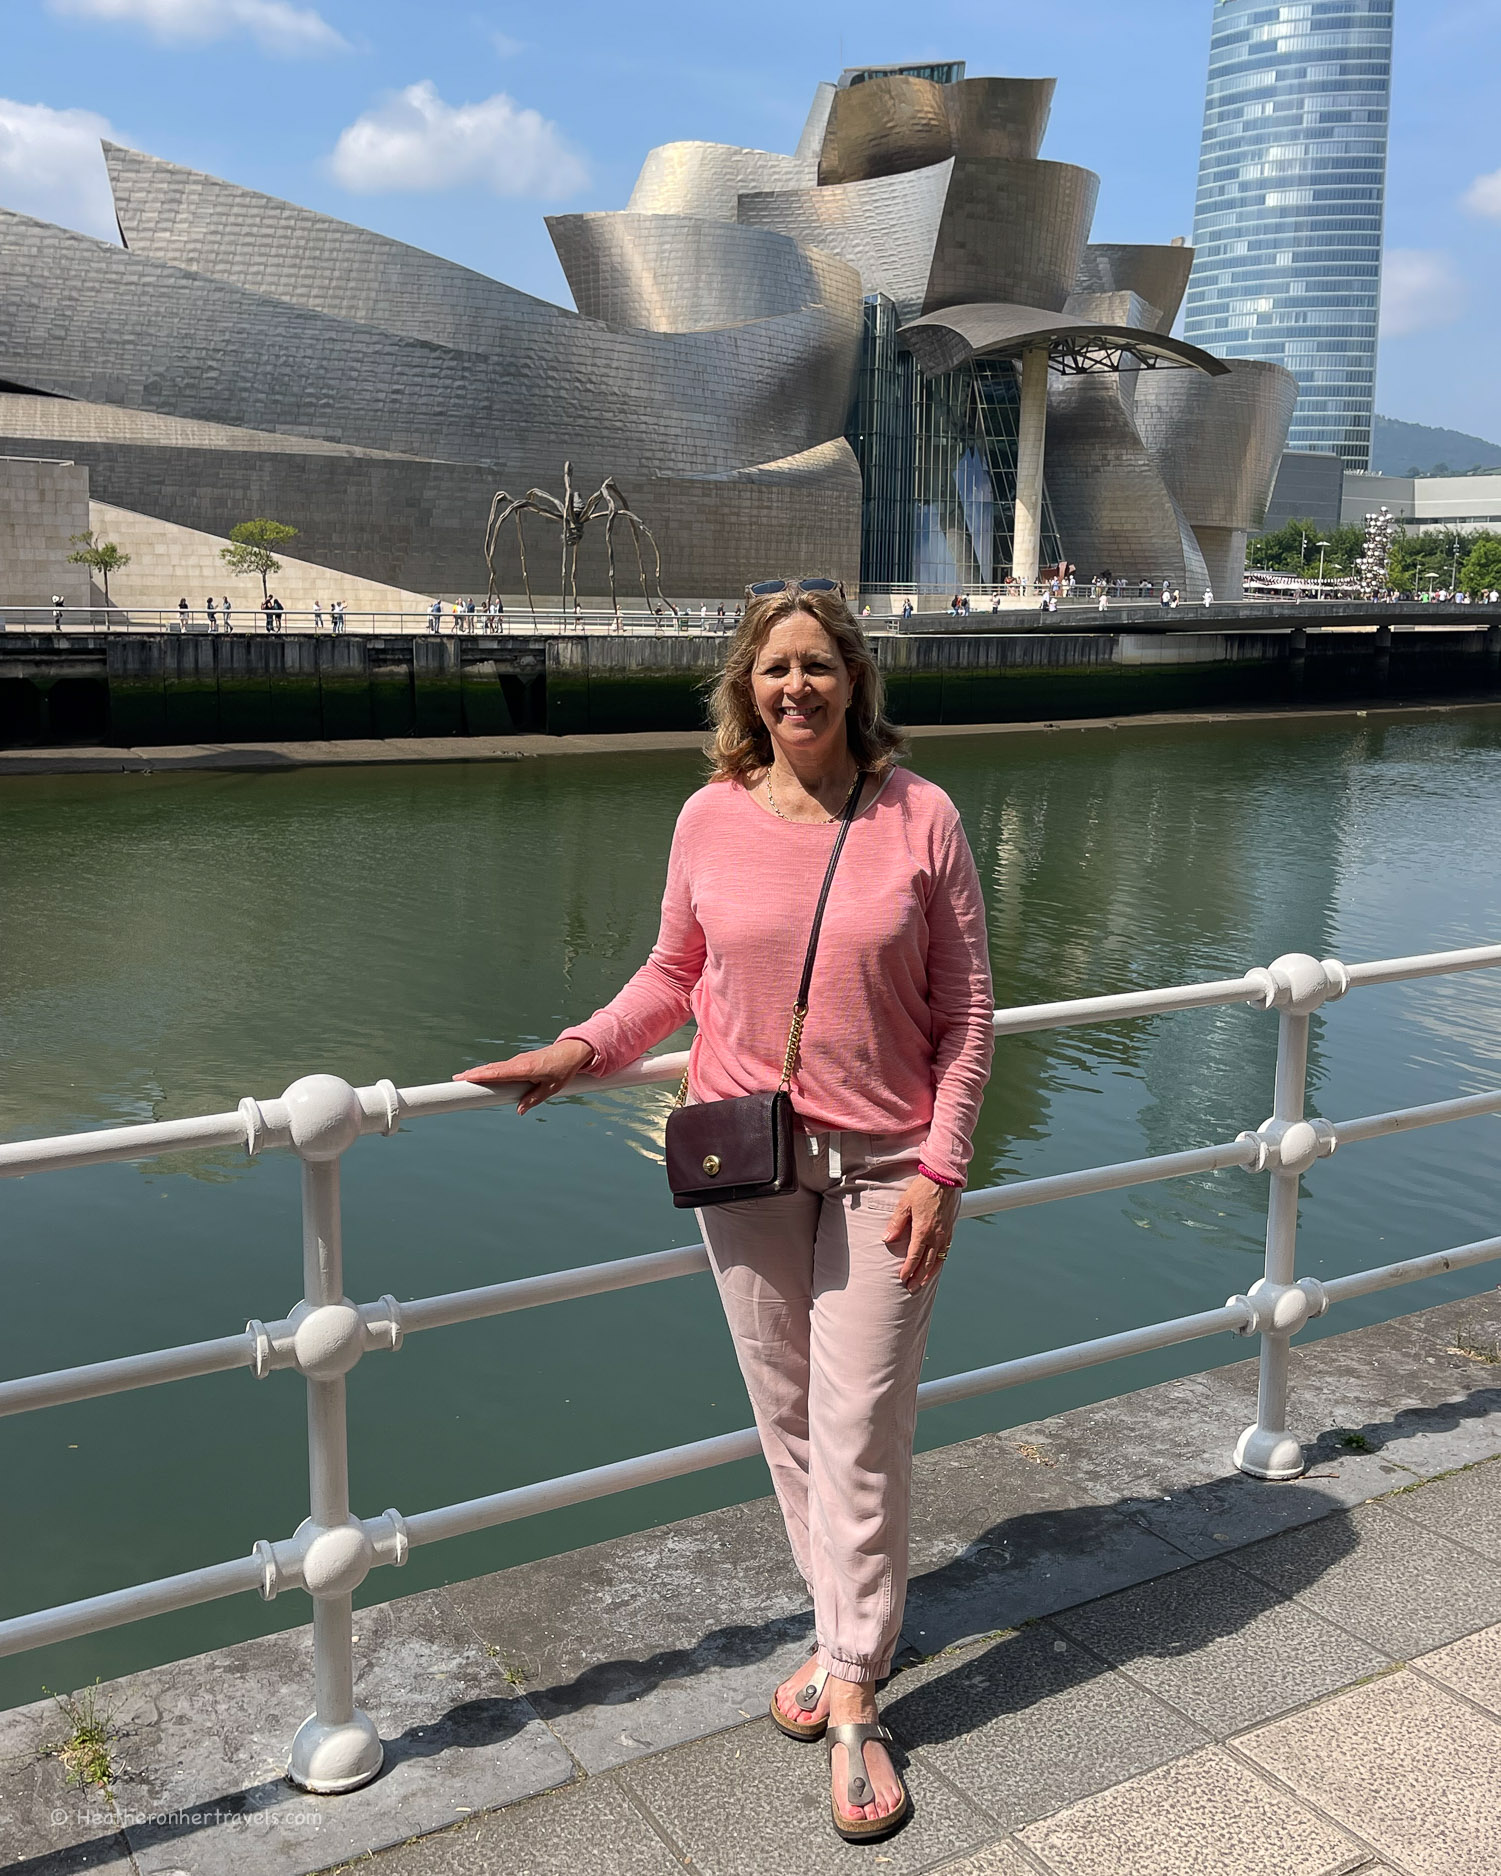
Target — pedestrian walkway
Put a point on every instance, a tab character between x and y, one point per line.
1121	1658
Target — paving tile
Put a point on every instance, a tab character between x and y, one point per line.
1471	1666
1031	1722
1363	1570
1465	1507
996	1859
591	1826
779	1794
1002	1534
1416	1772
654	1639
204	1742
1221	1647
1206	1815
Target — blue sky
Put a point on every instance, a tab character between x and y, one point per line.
457	126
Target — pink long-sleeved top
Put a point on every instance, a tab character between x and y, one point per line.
899	1032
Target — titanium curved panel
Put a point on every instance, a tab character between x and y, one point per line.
1218	441
1112	309
999	116
1112	508
883	128
155	338
885	229
1011	230
185	219
943	341
677	273
1158	274
707	178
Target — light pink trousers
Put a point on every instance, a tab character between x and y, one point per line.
830	1345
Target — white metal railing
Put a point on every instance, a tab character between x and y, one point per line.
320	1117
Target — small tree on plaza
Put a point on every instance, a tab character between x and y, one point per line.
101	557
250	548
1481	571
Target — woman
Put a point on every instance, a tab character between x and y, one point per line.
828	1289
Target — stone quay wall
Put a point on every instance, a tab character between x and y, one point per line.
127	690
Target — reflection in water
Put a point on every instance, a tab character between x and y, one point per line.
169	943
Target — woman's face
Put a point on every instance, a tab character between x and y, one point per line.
802	687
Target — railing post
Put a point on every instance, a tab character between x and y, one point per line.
337	1747
1289	1144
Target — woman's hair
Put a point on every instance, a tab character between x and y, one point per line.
741	744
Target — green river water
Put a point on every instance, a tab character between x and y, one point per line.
171	942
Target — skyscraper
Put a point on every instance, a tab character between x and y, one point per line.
1287	224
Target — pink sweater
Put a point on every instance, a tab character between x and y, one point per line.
898	1033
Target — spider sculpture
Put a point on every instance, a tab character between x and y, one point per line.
573	513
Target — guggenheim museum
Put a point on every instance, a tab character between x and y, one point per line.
894	355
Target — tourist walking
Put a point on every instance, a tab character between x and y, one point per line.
828	1281
317	615
184	615
277	609
58	602
213	618
228	614
336	614
435	615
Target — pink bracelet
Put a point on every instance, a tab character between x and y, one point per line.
939	1179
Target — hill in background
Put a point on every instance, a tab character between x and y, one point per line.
1401	449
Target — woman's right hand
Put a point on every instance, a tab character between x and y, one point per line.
548	1071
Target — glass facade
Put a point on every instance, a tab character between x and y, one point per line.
938	461
1287	223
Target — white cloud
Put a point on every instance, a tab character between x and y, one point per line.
275	25
1420	288
413	140
51	167
506	46
1483	197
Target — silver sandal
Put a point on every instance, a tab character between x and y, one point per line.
858	1788
807	1698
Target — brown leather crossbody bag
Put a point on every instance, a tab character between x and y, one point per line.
720	1151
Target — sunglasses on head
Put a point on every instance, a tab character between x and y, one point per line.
761	588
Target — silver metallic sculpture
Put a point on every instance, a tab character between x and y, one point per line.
573	513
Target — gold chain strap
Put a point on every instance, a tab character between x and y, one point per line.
794	1042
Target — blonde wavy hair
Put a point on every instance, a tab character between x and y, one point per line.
740	748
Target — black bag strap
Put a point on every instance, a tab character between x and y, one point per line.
800	1008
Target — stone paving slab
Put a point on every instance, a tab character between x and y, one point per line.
591	1826
1415	1771
1221	1647
751	1803
1032	1721
1365	1571
1206	1815
1470	1666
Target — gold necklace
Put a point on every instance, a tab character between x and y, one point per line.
771	798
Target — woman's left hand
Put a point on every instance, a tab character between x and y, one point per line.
930	1212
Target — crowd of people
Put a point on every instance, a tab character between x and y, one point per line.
219	614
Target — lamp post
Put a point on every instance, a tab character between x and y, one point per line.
1322	546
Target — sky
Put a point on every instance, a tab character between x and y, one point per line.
457	127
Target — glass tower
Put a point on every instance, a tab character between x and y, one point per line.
1287	224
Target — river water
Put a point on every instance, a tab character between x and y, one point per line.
173	941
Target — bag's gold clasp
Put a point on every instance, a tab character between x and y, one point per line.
711	1164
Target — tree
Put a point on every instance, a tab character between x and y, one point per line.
101	557
250	552
1482	568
